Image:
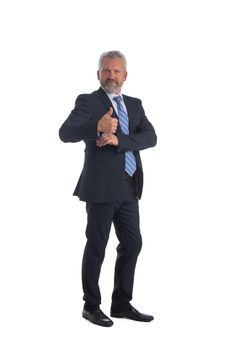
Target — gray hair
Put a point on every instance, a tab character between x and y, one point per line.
112	54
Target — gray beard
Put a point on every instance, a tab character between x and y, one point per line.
111	88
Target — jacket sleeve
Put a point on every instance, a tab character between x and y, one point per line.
79	126
143	138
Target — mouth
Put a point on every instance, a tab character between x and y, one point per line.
111	81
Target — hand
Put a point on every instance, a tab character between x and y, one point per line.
107	139
107	124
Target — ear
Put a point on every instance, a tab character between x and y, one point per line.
98	77
126	75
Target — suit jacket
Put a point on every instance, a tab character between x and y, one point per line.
102	177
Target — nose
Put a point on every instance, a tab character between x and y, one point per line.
111	74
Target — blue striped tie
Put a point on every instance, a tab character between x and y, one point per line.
130	162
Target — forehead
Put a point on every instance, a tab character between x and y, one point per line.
112	63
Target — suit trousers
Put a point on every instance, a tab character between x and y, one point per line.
124	214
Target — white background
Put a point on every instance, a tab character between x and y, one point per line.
180	64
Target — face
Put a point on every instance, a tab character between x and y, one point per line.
112	74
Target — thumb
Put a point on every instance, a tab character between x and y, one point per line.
110	111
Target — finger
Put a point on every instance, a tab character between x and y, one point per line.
100	142
103	136
105	141
115	122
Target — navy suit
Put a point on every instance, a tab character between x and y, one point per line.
105	163
110	194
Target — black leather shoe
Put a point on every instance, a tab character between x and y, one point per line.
132	314
97	317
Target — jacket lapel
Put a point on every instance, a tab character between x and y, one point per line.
106	101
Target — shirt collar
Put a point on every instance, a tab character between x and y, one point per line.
111	95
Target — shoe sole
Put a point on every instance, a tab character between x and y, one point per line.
130	318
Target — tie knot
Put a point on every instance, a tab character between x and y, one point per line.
118	99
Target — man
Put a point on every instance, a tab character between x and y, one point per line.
114	128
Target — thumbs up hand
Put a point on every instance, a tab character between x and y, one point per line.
108	124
